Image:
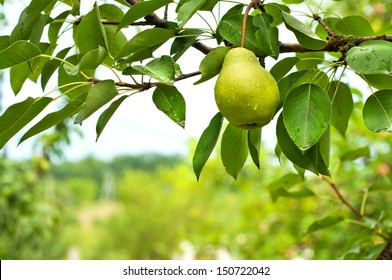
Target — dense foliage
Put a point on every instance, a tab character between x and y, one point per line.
322	122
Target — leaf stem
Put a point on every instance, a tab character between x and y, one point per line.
250	6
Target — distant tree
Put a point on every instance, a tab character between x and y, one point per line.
311	75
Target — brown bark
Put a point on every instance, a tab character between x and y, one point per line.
386	253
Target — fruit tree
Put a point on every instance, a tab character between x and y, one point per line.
308	89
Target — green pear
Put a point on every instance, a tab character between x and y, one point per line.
245	93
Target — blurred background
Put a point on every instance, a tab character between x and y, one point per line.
133	195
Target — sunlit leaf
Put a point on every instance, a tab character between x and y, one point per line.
206	144
208	5
171	102
141	9
187	10
371	57
144	40
377	112
356	26
324	223
19	115
17	53
161	69
234	149
211	64
53	119
306	113
107	114
91	33
98	95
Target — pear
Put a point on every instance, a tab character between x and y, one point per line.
246	94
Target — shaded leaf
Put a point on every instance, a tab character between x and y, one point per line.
89	61
234	149
351	155
141	9
303	33
107	114
306	113
281	187
51	66
274	9
231	30
267	35
206	144
377	112
53	119
171	102
286	84
254	142
324	223
379	81
209	5
212	63
19	115
342	105
17	53
185	39
372	57
236	10
281	68
98	95
309	60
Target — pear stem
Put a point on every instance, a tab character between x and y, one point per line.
250	6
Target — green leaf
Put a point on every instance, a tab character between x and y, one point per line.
90	32
379	81
98	95
171	102
324	223
304	34
161	69
90	61
107	114
342	105
51	66
17	53
185	39
356	26
290	150
274	10
286	84
314	76
231	30
254	142
281	68
234	149
307	113
73	86
208	5
309	60
293	1
267	35
377	112
211	64
281	187
141	9
19	115
206	144
351	155
371	57
187	10
18	75
53	119
145	40
55	26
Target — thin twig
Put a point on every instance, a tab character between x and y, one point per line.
250	6
341	197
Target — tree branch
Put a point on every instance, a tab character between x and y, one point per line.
386	253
